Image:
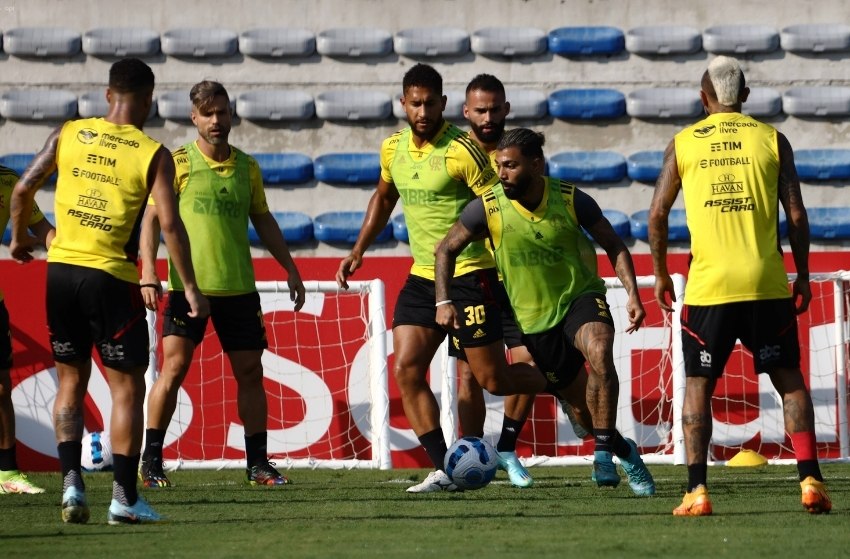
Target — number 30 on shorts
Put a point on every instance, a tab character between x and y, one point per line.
474	314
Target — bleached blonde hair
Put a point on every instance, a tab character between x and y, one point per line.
726	77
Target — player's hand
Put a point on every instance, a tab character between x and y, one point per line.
21	249
447	317
664	287
346	268
802	293
151	290
297	293
636	314
198	303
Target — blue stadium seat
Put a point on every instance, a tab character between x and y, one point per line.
400	228
588	166
18	162
821	101
343	227
763	101
348	168
357	104
38	104
663	40
198	42
42	42
93	104
586	40
823	164
677	226
431	42
815	37
354	42
829	223
587	104
297	228
275	104
645	166
277	42
527	104
509	41
285	168
620	222
664	102
121	41
740	39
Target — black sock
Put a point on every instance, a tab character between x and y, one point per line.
808	468
435	445
604	439
154	441
510	432
126	468
697	475
256	448
620	446
7	459
70	454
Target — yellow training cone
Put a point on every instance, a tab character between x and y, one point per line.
747	459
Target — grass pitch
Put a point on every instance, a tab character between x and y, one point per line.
353	514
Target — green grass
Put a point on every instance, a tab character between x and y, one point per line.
367	514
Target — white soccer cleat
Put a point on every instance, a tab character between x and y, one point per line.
139	513
436	481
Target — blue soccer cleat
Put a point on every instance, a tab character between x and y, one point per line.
604	471
640	480
74	507
517	473
139	513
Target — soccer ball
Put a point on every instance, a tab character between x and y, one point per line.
471	463
97	452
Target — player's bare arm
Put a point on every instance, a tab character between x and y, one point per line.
666	190
274	241
44	232
148	247
378	212
23	196
791	198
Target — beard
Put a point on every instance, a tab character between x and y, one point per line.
516	190
497	129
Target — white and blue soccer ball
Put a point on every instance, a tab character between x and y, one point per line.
97	452
471	463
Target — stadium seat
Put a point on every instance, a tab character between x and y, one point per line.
353	104
509	41
527	104
38	104
823	164
645	166
664	102
586	40
285	168
588	166
199	42
815	37
431	42
620	222
347	168
354	42
18	162
275	104
297	228
343	227
587	104
829	223
42	42
121	41
677	226
663	39
400	228
174	105
821	101
740	39
277	42
762	102
93	104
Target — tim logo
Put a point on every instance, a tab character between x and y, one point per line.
95	159
705	358
86	136
705	131
769	352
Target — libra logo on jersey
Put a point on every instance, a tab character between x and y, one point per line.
705	131
705	358
86	136
769	352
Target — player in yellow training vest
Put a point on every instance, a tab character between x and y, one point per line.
734	172
549	269
436	169
219	188
107	168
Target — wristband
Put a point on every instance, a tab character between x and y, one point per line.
441	303
151	285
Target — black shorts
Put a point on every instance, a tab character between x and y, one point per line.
87	306
473	298
237	319
768	329
5	338
553	350
510	330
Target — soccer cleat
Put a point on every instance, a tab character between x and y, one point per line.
640	480
152	473
580	431
266	474
438	480
517	473
695	503
74	507
815	498
13	481
604	471
139	513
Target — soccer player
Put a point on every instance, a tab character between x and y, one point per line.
734	171
107	169
435	168
11	479
549	271
219	188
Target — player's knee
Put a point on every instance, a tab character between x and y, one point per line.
599	356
